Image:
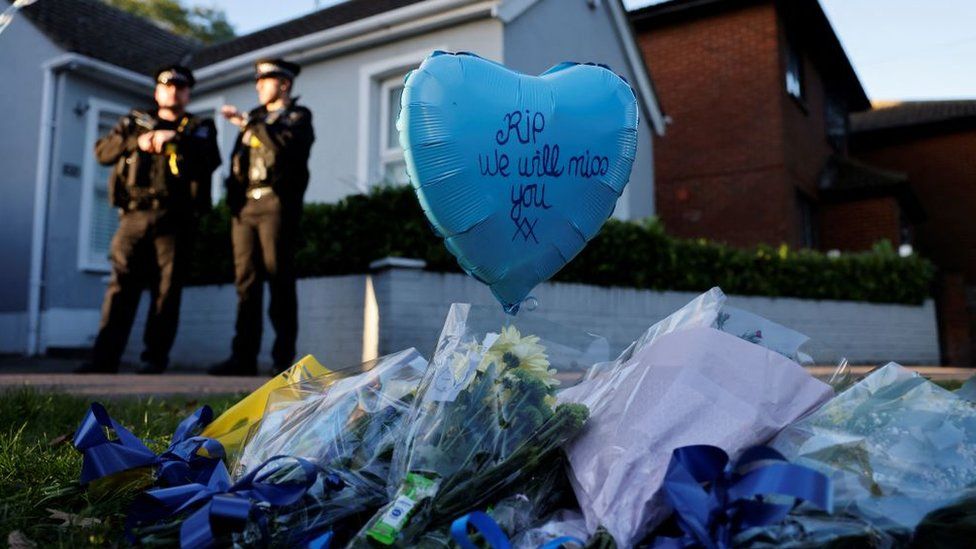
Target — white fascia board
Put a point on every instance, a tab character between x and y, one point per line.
510	10
652	108
378	29
101	70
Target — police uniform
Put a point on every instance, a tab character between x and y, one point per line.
159	197
265	191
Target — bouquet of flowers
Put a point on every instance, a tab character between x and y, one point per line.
338	422
485	419
684	382
338	432
896	446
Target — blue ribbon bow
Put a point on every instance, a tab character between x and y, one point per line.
181	463
713	499
493	535
220	506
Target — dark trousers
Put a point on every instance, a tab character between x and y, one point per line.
264	236
147	250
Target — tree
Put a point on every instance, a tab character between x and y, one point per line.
206	24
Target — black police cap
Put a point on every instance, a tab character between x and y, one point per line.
277	68
175	74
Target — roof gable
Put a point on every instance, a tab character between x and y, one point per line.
805	22
914	113
97	30
324	19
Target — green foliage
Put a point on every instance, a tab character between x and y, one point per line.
206	24
343	238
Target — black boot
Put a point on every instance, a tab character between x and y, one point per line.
234	367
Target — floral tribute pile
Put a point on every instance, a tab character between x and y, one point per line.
707	431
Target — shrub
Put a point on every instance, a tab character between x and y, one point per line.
343	238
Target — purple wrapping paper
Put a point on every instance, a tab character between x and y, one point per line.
694	386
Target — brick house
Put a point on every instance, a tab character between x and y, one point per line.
759	94
932	144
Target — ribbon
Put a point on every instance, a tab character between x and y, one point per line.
220	506
323	541
181	463
713	499
493	535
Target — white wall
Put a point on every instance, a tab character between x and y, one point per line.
410	307
562	23
343	94
330	323
861	332
23	50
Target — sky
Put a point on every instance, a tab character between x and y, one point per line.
901	49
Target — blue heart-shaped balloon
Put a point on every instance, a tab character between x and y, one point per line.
516	172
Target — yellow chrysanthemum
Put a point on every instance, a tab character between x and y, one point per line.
511	350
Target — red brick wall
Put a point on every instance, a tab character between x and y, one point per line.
942	172
805	129
856	226
737	147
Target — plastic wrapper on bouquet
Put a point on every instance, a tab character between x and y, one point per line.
896	445
683	383
711	310
232	427
336	421
347	426
485	419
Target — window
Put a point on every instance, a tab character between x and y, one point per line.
809	223
836	121
98	219
393	169
794	71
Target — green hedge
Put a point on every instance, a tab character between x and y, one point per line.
345	237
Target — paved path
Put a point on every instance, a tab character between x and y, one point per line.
132	384
935	373
54	374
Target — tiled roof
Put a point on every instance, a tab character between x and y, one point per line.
844	178
97	30
841	173
340	14
912	113
100	31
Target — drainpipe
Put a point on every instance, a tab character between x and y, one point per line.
49	96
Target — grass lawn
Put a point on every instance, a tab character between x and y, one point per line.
39	468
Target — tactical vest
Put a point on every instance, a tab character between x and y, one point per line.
145	178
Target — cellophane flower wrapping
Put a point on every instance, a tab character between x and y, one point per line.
332	419
347	426
485	418
232	427
895	445
684	382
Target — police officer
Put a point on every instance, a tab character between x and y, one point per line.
163	159
269	175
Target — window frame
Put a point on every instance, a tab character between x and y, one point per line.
369	141
388	155
792	54
96	107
